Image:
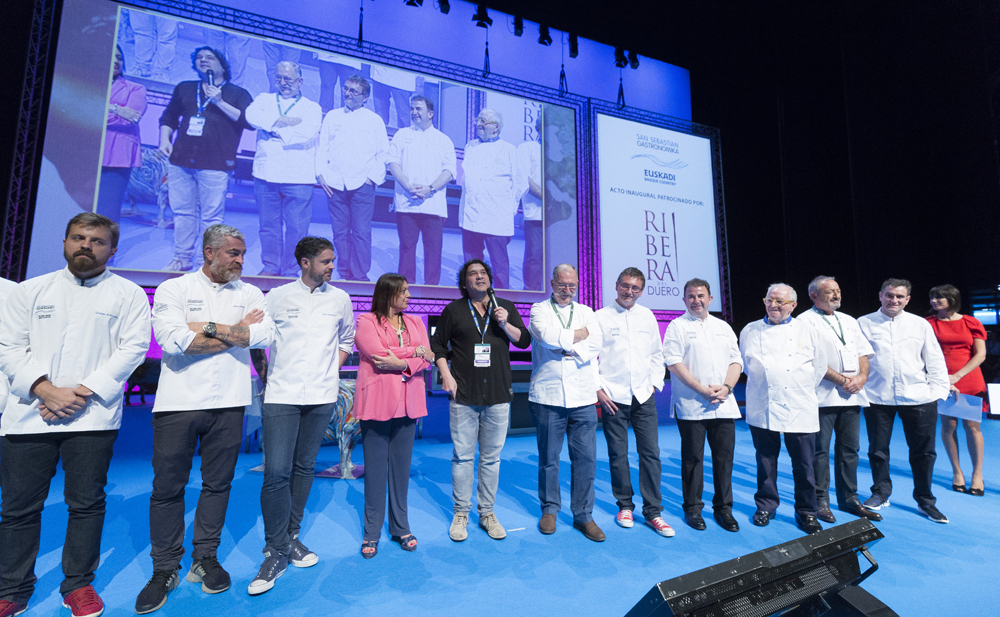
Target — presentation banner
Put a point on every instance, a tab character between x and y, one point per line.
657	210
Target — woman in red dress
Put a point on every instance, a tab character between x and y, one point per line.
963	341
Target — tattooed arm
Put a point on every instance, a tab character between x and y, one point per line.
225	336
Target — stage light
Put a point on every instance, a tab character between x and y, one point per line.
574	46
414	2
543	36
518	26
620	60
633	59
482	17
444	6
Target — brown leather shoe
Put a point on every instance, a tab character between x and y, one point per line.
548	524
591	530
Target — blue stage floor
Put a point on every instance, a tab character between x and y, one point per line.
925	568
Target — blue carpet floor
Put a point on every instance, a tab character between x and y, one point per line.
925	568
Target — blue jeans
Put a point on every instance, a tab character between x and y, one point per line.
487	425
351	217
642	417
155	43
285	211
579	426
27	465
845	421
198	199
292	436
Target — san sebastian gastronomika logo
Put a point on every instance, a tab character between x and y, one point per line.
674	164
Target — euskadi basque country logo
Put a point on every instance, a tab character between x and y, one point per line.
656	175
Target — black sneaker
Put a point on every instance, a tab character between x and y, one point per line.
932	513
211	575
274	566
154	594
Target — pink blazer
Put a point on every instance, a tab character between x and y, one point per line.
377	392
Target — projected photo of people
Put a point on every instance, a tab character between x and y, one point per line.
404	172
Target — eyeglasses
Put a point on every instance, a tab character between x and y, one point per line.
484	124
286	80
777	302
352	91
566	286
633	288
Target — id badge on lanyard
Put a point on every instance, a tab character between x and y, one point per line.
850	362
481	356
196	126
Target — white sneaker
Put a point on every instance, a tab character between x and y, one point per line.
492	526
274	566
457	530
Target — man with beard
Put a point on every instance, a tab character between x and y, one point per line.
68	342
205	322
314	335
287	128
207	116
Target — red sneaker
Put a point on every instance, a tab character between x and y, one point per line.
9	609
84	602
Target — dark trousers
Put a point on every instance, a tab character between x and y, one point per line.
175	436
722	440
388	449
27	465
642	417
472	248
920	428
351	217
802	449
410	227
845	422
579	426
292	436
532	265
114	181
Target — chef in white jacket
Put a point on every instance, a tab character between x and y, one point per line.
68	342
784	362
6	287
566	341
205	322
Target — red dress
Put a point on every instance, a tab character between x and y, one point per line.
956	339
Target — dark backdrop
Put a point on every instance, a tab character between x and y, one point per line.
858	139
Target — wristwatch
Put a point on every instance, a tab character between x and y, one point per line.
209	329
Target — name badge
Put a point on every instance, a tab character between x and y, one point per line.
196	126
850	362
481	357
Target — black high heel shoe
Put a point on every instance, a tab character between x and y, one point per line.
960	488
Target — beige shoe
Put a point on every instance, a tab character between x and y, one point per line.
492	526
457	530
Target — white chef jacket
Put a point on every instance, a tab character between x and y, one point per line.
352	148
558	380
423	155
285	155
6	287
205	381
92	333
631	361
908	367
784	363
531	157
855	345
311	330
707	349
492	185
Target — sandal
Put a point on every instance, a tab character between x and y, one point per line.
369	544
407	543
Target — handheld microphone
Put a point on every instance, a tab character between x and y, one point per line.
493	297
211	77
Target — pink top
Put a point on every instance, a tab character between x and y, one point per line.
379	393
122	146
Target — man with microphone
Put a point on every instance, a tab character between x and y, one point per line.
207	117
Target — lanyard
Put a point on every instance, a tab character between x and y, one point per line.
202	107
843	341
277	100
559	317
475	320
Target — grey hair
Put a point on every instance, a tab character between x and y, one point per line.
563	268
492	115
816	282
289	63
215	236
791	290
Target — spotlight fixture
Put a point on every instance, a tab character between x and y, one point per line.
414	2
482	17
620	60
543	36
444	6
518	25
574	46
633	59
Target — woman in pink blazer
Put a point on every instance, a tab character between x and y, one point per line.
388	399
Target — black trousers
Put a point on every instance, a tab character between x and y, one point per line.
801	447
920	428
721	435
388	450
